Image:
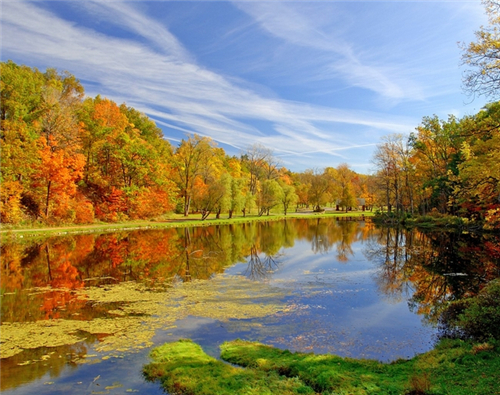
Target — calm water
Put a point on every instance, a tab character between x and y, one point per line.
81	313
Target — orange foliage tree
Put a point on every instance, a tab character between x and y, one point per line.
56	177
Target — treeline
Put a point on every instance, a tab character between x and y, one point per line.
452	167
447	167
67	158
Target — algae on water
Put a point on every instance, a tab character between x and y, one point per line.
143	311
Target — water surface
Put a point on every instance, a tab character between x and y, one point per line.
80	313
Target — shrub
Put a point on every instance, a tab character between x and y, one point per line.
477	317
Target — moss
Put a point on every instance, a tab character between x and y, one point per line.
453	367
182	367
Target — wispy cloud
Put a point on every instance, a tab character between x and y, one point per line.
300	24
157	75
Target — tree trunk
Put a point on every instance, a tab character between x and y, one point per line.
205	214
187	202
47	200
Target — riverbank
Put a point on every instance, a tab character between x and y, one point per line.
432	222
174	221
453	367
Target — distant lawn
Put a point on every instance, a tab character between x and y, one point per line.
169	221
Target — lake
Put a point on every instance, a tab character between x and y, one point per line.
81	312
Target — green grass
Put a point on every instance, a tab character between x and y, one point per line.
183	368
172	221
453	367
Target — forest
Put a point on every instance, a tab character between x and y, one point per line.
71	159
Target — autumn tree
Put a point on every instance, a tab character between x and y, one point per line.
35	105
56	176
436	147
396	173
190	159
103	127
365	187
61	98
20	98
477	182
482	57
319	184
347	197
223	194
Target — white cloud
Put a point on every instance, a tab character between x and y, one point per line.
301	25
162	79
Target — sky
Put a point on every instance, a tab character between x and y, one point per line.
320	83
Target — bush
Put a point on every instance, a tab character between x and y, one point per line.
477	317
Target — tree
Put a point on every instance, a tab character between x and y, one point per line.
436	155
57	175
483	56
33	104
347	196
225	202
319	184
288	197
61	98
366	189
190	160
477	182
387	163
269	196
103	126
237	198
249	203
214	198
261	164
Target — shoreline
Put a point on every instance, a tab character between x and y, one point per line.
180	222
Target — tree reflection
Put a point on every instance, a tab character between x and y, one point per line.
59	265
39	279
434	268
16	371
261	268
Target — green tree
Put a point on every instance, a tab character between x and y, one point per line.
288	197
237	197
269	196
225	202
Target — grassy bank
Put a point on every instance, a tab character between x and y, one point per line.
433	221
453	367
173	221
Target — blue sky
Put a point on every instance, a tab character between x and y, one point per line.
318	82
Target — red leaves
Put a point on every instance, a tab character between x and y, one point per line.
112	206
56	176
